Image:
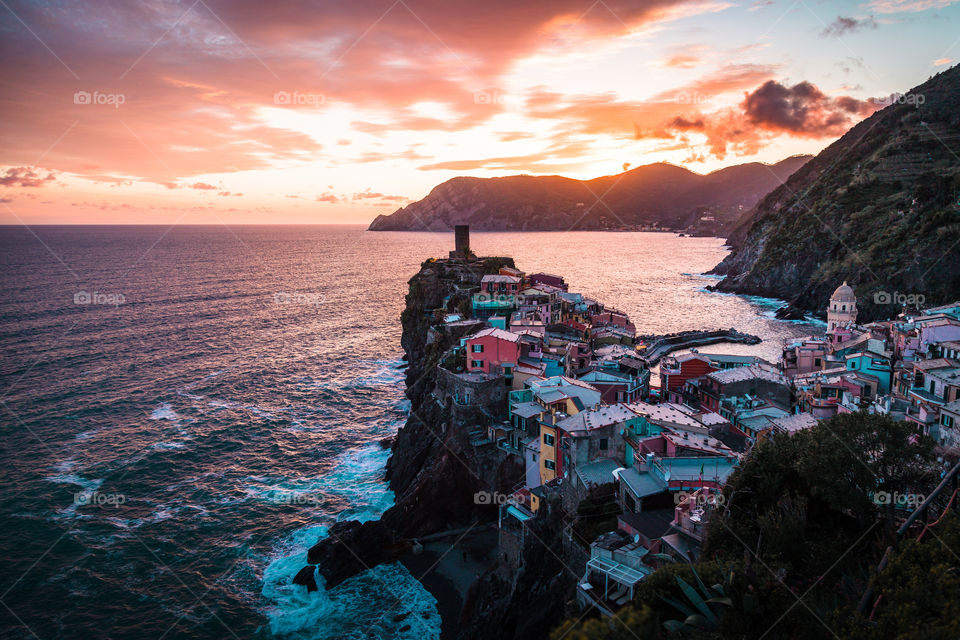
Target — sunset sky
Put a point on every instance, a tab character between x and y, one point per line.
240	111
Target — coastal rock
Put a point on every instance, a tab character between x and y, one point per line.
352	547
306	577
790	312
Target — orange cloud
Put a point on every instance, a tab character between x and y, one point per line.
682	61
25	177
191	103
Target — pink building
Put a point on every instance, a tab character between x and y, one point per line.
804	355
612	317
492	348
547	279
500	284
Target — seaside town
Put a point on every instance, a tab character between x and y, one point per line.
647	431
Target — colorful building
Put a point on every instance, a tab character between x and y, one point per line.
491	349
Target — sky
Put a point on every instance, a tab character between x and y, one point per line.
289	111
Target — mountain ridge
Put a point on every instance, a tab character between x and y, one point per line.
658	195
879	208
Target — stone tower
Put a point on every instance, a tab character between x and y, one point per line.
842	310
461	234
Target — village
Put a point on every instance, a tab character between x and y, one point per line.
562	386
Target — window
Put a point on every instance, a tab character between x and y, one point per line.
946	420
619	396
549	464
603	444
548	439
476	364
817	362
476	348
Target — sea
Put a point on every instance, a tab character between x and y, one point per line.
187	409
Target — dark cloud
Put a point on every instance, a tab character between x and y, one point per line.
802	109
843	25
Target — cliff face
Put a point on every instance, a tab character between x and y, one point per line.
433	471
879	208
660	194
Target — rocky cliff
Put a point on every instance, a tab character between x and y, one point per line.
433	470
657	194
879	208
435	473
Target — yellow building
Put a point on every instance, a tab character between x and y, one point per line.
548	453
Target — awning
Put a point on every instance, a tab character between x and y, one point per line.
621	573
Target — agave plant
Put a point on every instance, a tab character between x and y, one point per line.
702	609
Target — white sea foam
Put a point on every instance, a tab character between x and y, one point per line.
164	412
345	611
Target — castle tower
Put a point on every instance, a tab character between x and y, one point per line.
461	235
842	310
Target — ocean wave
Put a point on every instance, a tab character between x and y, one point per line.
164	412
403	609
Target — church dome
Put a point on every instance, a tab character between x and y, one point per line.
844	293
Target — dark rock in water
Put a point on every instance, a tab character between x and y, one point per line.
790	312
353	547
386	443
305	577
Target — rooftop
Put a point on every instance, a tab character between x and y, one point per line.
598	472
795	422
742	374
641	484
596	418
500	334
500	278
667	413
700	442
526	409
